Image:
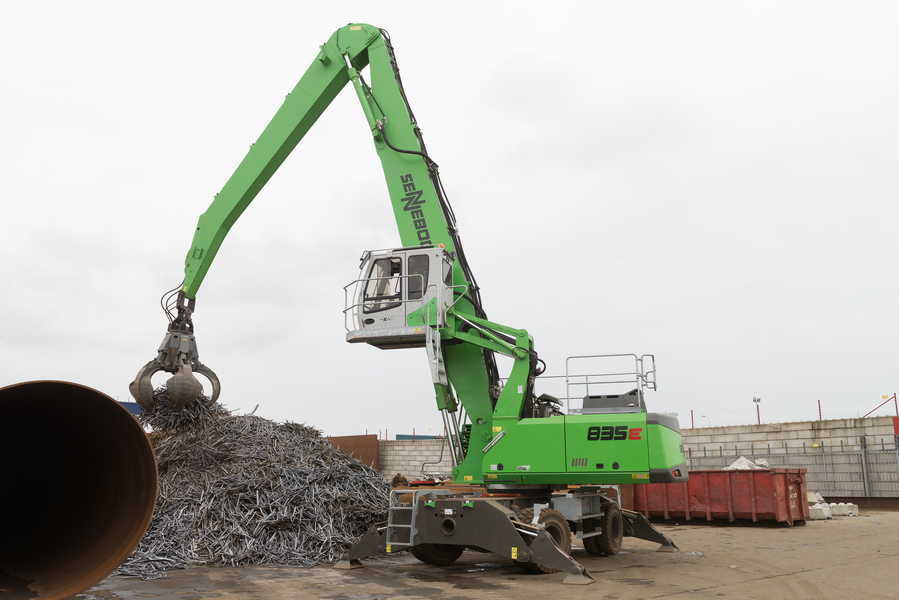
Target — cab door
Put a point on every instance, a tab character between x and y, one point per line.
382	295
417	292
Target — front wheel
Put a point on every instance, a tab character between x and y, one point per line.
437	554
556	526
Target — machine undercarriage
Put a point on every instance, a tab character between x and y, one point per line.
533	526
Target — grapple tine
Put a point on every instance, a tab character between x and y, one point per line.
142	388
213	379
176	354
183	387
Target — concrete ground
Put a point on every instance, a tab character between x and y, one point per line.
849	557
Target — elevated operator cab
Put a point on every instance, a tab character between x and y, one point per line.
400	297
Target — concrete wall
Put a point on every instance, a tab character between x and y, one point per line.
814	434
406	457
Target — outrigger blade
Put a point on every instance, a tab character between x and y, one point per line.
635	524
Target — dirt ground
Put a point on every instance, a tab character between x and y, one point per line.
849	557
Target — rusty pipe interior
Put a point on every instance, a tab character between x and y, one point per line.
78	485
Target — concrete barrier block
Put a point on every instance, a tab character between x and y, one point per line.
839	510
816	513
768	428
783	435
795	426
698	440
881	431
819	512
833	443
845	432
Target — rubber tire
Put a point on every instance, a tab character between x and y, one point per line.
437	554
591	545
612	525
556	526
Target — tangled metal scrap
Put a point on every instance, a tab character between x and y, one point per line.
238	490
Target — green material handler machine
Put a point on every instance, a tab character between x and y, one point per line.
516	449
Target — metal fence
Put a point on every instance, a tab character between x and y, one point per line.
871	471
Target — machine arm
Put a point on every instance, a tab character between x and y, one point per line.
423	215
324	79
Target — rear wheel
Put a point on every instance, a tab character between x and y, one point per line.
612	525
591	544
437	554
556	526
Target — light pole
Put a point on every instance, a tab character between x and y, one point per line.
757	411
709	418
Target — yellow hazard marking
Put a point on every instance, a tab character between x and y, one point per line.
388	547
418	330
497	429
491	477
640	476
514	553
357	28
468	478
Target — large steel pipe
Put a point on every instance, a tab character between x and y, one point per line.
78	485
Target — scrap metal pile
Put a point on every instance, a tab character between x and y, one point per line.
238	490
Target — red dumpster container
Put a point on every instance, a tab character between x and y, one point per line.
760	495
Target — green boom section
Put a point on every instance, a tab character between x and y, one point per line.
418	212
420	216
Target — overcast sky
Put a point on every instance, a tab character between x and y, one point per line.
714	183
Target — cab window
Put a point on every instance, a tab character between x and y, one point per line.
418	266
383	289
448	273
